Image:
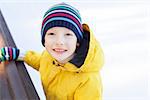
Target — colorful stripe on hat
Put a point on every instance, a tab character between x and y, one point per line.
65	13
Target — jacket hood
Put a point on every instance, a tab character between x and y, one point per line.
95	58
89	56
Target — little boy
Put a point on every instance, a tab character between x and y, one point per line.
70	65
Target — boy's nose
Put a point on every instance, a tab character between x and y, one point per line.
60	41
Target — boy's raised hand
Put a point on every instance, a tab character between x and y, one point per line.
8	54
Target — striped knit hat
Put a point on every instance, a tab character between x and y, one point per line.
62	15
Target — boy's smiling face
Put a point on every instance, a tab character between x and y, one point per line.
61	43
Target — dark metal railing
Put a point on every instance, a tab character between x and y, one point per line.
15	82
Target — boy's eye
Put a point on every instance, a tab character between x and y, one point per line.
68	34
51	34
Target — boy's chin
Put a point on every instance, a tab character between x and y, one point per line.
62	61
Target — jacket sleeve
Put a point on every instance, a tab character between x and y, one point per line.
32	59
89	90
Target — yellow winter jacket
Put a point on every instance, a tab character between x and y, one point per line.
69	82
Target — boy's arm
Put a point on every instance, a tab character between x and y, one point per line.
12	54
31	58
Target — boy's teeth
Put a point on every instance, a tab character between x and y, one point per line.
59	50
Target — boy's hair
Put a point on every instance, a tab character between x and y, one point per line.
62	15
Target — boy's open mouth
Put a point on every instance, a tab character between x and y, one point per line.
59	50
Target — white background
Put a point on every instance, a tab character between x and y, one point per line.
121	26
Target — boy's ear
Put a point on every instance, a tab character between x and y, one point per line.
78	44
85	27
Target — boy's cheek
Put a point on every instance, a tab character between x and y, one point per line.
47	42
